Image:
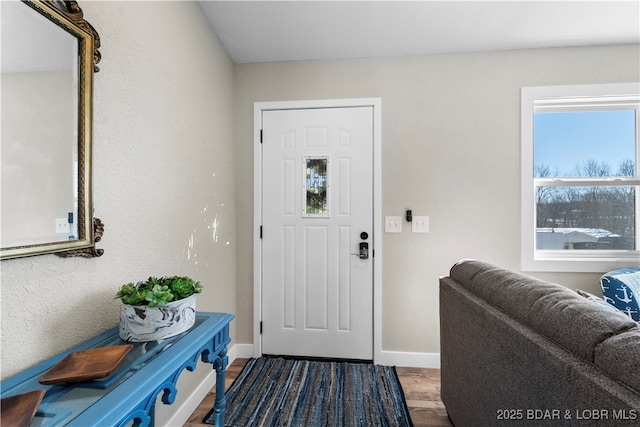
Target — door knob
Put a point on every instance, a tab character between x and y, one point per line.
364	251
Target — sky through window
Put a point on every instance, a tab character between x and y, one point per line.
564	140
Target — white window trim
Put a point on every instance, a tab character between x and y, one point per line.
568	260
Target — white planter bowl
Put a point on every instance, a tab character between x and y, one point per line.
141	323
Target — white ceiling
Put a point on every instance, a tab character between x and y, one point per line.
265	31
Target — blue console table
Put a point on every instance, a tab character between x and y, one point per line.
129	394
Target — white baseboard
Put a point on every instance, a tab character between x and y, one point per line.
243	351
389	358
409	359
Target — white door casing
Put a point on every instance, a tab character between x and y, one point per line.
314	297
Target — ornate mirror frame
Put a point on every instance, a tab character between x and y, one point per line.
69	17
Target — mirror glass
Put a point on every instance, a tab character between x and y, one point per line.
45	141
38	139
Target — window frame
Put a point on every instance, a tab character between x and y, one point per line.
576	97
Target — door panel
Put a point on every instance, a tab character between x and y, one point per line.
316	287
317	200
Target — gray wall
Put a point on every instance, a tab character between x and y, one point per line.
451	150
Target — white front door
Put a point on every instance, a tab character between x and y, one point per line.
317	210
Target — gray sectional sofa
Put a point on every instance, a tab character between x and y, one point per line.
518	351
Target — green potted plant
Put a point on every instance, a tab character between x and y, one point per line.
157	308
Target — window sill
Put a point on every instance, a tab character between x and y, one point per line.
580	262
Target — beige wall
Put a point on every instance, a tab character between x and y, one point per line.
164	182
173	143
450	150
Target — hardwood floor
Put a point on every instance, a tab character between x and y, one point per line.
421	390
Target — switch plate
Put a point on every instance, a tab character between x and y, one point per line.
420	224
62	225
393	224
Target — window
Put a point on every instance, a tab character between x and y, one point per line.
315	187
580	179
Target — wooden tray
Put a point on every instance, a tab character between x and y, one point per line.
85	365
19	410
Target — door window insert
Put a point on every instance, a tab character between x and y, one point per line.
316	187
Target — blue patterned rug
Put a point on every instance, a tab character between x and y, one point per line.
273	391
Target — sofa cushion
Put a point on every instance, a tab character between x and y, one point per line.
619	356
591	297
553	310
465	270
588	295
621	288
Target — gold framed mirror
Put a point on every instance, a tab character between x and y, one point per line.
49	56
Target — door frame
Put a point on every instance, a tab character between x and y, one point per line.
258	108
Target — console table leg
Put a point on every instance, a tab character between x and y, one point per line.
152	415
220	404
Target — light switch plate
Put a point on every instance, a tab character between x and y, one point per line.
420	224
62	226
393	224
